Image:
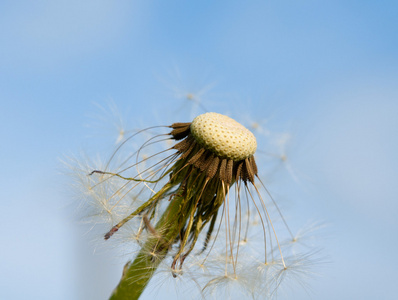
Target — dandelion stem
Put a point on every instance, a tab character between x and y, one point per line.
136	274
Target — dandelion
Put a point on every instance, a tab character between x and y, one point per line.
203	189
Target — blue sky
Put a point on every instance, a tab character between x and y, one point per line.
324	71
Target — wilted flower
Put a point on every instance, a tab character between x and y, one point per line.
207	189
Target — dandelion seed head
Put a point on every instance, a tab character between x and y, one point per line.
224	136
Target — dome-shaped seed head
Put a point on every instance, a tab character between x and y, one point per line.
223	136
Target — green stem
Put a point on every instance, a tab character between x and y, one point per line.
136	274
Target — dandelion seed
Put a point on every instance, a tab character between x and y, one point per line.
109	114
275	277
191	94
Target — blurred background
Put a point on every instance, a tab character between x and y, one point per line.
322	73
